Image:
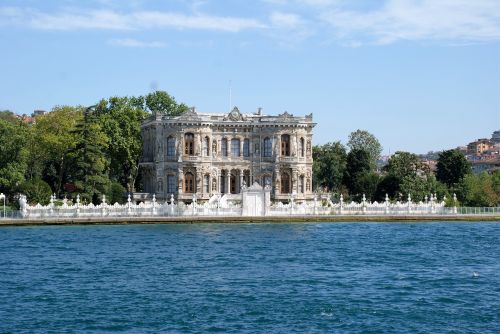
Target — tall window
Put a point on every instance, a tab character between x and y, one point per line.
171	184
206	184
302	147
266	180
235	148
189	182
170	146
246	148
206	146
285	183
189	144
302	184
285	145
224	147
268	148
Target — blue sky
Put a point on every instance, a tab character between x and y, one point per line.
419	74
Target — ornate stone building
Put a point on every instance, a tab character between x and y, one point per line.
207	154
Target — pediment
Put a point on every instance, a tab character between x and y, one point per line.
234	116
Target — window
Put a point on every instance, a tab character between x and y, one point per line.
235	148
206	184
224	147
206	146
285	183
189	183
170	146
302	184
268	148
266	181
246	148
189	144
302	147
171	184
285	145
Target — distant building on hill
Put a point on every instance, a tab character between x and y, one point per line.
495	137
479	146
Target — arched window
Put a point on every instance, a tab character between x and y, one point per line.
285	145
170	146
268	147
235	148
302	184
223	147
285	183
189	144
266	181
302	147
189	182
246	148
206	146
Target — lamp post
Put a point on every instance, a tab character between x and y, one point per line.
2	196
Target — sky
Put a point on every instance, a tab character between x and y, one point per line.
420	75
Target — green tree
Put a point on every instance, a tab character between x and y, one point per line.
161	102
452	167
13	154
363	140
36	191
53	139
89	163
358	169
329	165
478	190
120	118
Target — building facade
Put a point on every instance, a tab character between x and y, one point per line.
209	154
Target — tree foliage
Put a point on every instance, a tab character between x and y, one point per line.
13	154
162	102
120	119
329	166
452	167
363	140
36	191
359	178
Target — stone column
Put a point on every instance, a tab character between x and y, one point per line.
242	140
277	182
228	181
241	179
180	181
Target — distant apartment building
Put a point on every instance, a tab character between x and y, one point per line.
479	146
495	138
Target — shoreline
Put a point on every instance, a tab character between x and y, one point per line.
244	220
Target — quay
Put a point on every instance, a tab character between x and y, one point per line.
246	219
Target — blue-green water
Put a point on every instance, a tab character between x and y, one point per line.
252	278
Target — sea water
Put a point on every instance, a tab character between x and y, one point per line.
251	278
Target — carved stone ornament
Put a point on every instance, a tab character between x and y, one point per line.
285	115
234	116
190	115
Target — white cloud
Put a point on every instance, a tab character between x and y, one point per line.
285	20
411	20
133	43
112	20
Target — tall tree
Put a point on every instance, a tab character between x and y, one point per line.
452	167
329	165
120	118
13	154
54	137
358	176
363	140
162	102
478	190
90	165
